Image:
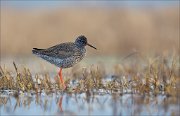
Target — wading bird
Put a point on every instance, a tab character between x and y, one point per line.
64	55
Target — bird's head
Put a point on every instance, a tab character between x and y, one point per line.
81	41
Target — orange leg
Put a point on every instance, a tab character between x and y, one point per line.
61	78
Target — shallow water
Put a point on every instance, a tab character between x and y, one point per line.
87	104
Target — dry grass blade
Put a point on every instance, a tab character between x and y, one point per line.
1	71
15	67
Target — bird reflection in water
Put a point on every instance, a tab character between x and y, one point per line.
60	104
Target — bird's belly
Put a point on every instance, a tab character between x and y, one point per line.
69	62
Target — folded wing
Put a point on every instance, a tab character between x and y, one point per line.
60	51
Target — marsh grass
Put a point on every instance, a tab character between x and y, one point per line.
158	75
150	86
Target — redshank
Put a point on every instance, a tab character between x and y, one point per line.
64	55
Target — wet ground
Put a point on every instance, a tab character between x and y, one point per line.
87	103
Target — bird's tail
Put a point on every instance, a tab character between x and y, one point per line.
36	50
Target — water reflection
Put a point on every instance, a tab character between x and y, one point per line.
87	103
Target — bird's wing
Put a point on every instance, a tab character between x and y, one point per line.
62	51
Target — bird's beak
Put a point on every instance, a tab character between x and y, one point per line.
91	46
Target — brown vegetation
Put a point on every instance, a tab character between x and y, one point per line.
156	76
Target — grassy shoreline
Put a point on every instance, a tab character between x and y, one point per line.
157	76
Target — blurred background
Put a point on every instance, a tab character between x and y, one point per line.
116	28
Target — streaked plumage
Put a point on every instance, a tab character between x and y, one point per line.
64	55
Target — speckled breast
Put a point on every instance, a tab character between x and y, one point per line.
69	62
